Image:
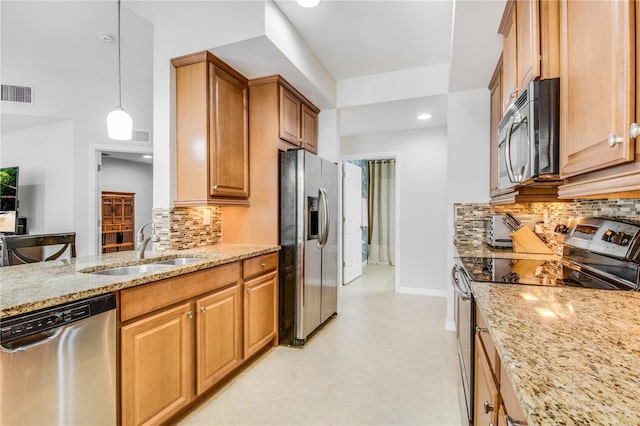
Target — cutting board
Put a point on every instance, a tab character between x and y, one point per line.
525	241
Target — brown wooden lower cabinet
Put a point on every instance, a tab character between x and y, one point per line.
495	401
218	336
156	366
486	394
260	312
180	336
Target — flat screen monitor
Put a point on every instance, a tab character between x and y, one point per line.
8	199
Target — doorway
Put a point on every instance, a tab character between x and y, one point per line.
362	160
121	169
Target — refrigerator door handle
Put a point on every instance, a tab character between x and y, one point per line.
322	241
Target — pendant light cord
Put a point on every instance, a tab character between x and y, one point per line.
119	62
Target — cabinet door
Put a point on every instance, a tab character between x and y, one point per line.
229	139
597	90
511	405
118	210
309	129
128	212
527	41
495	87
218	336
107	210
509	61
486	392
289	117
156	366
260	312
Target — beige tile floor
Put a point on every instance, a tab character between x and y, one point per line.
385	360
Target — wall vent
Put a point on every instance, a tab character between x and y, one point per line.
141	135
22	94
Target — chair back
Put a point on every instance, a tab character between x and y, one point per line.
18	249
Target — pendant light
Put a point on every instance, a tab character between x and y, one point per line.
119	123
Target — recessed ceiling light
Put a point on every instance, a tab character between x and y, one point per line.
147	156
424	116
308	3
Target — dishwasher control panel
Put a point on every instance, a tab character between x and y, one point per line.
50	318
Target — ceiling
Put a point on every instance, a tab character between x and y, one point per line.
357	38
128	156
351	38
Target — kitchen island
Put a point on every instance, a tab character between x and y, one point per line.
26	288
572	355
195	315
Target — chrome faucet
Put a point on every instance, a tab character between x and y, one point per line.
144	240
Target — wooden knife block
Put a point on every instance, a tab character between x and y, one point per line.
525	241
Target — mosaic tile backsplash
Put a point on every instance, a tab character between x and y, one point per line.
470	223
183	227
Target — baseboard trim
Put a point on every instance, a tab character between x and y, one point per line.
422	291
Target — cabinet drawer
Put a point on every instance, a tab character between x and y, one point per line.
149	297
260	265
487	343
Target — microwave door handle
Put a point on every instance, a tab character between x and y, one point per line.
507	148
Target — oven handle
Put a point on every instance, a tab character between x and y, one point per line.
507	149
466	295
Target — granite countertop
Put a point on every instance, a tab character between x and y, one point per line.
25	288
571	354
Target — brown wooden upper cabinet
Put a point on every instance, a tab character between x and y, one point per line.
495	88
530	31
599	155
212	139
298	119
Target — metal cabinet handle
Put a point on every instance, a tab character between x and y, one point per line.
249	290
215	188
634	130
614	140
263	264
487	407
203	309
481	330
512	422
190	314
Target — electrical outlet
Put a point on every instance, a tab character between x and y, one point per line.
206	218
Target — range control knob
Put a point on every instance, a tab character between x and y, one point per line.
625	239
608	235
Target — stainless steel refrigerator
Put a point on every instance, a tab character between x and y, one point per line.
309	244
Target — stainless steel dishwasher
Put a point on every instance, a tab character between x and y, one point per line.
58	365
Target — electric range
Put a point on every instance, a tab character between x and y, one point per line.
597	253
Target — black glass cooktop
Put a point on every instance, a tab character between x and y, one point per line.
536	272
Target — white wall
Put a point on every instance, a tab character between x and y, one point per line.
422	203
84	100
45	157
130	176
467	164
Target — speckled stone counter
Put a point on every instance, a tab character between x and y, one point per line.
571	354
25	288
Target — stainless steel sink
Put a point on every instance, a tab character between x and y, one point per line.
178	261
133	270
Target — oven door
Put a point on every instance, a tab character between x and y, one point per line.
514	147
464	315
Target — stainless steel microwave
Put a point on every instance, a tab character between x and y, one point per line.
529	137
